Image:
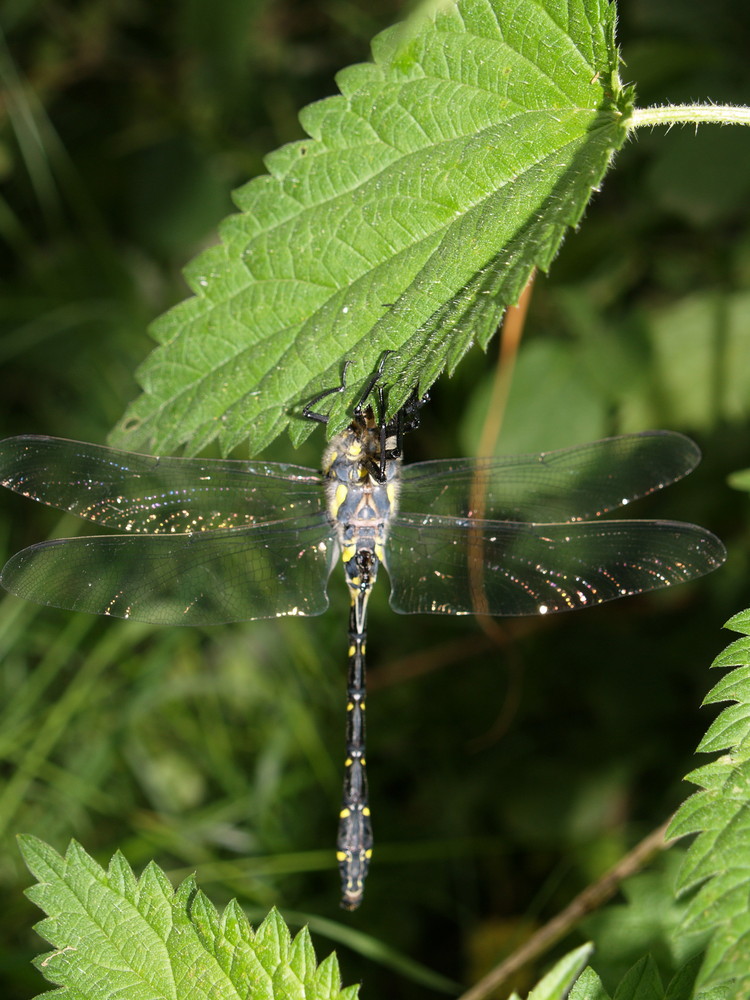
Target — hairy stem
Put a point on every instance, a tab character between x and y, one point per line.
685	114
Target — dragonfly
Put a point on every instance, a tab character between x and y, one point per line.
211	541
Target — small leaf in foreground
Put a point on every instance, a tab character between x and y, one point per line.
557	982
588	986
115	935
429	189
642	982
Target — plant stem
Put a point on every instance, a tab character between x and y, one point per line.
684	114
584	903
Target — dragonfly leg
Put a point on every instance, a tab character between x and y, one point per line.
322	418
371	385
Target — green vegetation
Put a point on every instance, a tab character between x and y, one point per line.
509	769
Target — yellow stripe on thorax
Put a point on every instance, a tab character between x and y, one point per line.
339	496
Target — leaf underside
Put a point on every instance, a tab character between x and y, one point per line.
118	936
431	187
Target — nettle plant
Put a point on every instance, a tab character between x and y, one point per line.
447	171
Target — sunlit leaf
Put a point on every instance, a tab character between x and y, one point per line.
589	986
557	982
446	170
118	936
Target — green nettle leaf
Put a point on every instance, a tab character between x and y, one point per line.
588	986
118	936
717	860
642	982
428	191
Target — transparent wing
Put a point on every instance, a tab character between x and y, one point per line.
442	565
143	493
205	578
573	484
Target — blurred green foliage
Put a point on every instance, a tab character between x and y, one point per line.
506	773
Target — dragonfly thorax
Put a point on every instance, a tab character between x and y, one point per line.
359	504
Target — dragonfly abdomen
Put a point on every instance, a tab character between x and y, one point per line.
354	843
362	494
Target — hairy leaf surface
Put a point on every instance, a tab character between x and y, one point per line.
429	189
118	936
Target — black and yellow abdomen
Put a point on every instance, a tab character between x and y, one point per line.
360	505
